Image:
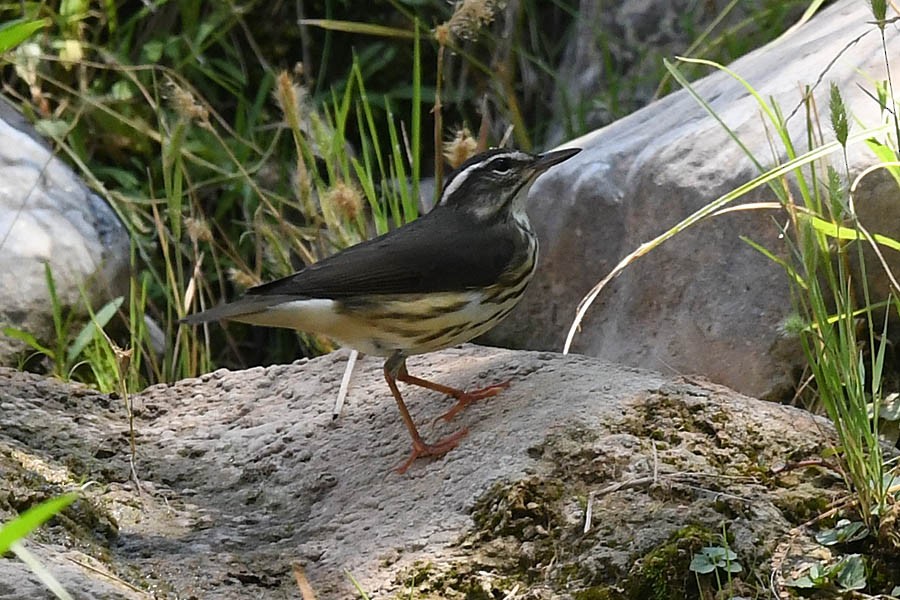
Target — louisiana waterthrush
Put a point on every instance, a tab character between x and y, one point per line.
439	281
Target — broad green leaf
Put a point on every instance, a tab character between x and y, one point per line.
844	532
92	327
852	574
52	128
15	32
702	564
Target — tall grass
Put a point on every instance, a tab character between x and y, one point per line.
230	202
842	328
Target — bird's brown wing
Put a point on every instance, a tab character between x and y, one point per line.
427	255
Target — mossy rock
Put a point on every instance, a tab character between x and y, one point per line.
664	572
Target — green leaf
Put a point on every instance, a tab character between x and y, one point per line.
702	564
15	32
31	519
801	582
24	336
92	328
886	155
717	554
123	178
122	90
70	9
844	532
814	577
52	128
852	574
152	51
791	271
359	588
712	557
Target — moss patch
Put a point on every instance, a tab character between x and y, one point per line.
522	509
664	573
711	468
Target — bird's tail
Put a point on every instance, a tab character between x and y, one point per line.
240	310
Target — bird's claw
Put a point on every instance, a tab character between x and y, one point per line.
439	448
467	398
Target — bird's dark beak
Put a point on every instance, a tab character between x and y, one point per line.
548	159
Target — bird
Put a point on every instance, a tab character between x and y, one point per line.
435	282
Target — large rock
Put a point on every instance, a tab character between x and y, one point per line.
48	216
244	474
704	302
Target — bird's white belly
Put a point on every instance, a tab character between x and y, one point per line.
411	323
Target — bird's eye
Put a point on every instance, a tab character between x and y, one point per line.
501	165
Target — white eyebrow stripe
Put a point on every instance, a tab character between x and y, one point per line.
460	178
457	181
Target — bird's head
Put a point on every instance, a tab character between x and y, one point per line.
496	182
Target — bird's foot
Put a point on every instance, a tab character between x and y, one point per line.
421	449
464	399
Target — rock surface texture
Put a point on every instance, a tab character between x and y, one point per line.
49	217
244	474
705	302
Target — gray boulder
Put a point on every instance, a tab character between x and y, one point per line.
704	302
48	216
581	480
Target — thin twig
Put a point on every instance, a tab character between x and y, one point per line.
589	512
306	590
345	385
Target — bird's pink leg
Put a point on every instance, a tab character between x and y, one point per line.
463	398
420	447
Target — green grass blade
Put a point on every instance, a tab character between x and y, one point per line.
839	232
416	125
31	519
92	327
788	268
28	338
703	213
808	14
361	28
887	156
356	584
55	305
683	81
